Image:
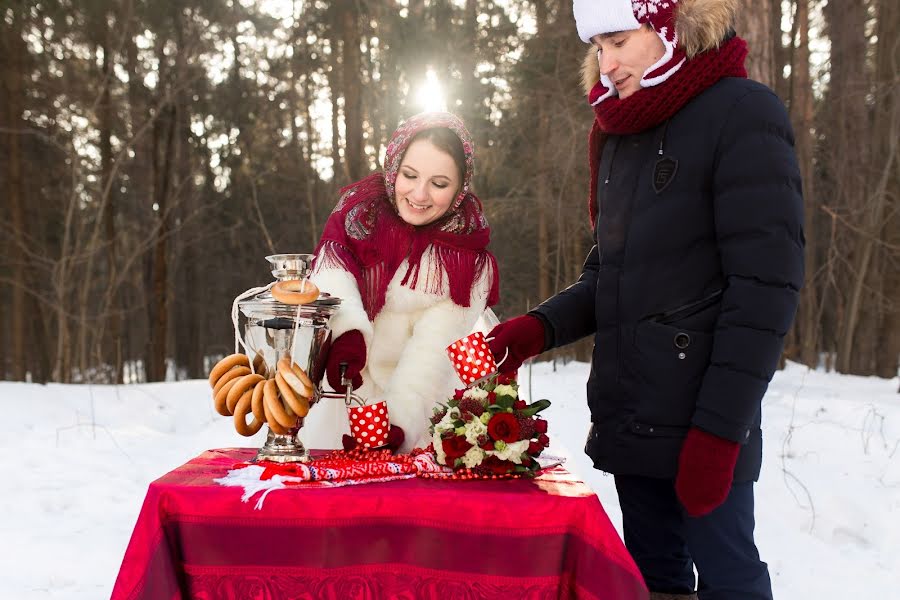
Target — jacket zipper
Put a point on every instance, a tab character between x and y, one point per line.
676	314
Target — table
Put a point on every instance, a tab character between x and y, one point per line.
415	538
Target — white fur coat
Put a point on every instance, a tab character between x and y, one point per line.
406	359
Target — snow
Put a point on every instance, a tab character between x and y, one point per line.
78	459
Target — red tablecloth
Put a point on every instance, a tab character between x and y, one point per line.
415	538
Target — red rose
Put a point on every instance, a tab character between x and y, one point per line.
455	447
458	394
504	426
504	379
543	440
519	404
487	446
497	466
492	398
534	448
540	425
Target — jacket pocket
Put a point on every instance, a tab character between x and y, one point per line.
662	372
699	315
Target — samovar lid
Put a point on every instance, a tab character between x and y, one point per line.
263	307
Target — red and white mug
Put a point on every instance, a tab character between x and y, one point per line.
472	358
369	424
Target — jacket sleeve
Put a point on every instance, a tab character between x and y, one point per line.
424	369
758	212
569	315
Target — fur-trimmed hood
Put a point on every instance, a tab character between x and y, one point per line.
701	25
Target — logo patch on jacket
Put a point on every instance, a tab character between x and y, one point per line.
664	173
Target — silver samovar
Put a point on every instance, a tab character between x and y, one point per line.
273	330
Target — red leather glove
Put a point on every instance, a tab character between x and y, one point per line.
705	471
348	348
523	336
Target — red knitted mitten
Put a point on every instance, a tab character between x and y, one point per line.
348	348
522	336
705	471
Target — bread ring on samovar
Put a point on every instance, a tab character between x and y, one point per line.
296	377
243	384
234	373
221	397
233	360
299	404
241	410
295	291
270	420
276	409
256	402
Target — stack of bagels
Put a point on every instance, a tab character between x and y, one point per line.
278	402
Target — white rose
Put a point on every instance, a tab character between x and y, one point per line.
512	451
475	393
473	457
475	429
438	448
506	390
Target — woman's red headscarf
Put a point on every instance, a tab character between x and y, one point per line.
366	236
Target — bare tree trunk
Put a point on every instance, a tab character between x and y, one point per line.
886	127
159	323
754	25
113	353
337	165
780	55
304	154
801	104
849	163
542	183
12	51
354	154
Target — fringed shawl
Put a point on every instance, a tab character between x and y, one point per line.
366	237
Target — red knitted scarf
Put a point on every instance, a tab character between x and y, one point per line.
366	237
648	107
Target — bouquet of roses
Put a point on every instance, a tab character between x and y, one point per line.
490	430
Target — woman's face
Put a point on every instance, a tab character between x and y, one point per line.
626	55
427	183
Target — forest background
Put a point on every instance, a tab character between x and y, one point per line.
152	152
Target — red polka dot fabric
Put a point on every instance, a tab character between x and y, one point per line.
472	358
369	425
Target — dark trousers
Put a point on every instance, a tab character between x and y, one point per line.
667	544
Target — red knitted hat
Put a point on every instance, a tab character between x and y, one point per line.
593	17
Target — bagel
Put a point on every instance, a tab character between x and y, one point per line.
241	409
234	373
220	399
295	291
299	404
271	422
276	409
256	402
224	365
296	377
243	384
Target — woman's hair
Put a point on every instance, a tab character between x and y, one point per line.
448	142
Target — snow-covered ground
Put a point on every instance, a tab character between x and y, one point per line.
76	461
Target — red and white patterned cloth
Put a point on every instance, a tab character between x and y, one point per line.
334	469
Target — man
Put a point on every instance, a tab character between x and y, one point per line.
696	209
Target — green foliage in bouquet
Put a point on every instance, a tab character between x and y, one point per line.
490	430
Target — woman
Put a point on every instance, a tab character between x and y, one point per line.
406	251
